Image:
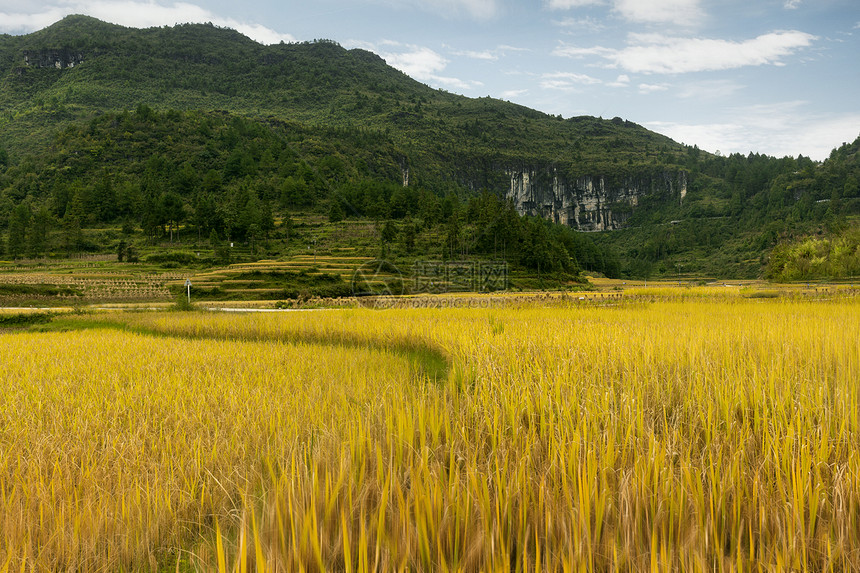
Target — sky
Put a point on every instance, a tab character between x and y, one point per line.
780	77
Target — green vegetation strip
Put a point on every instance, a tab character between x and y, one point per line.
24	319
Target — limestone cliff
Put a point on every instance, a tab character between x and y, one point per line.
590	203
60	58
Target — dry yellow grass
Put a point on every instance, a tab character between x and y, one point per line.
118	450
695	435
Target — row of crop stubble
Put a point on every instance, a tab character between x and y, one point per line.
697	435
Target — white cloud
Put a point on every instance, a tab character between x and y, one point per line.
589	24
668	55
709	90
487	55
476	9
256	32
513	94
658	54
572	77
19	23
568	4
621	81
651	88
678	12
792	4
566	81
509	48
777	129
418	62
133	13
568	51
455	83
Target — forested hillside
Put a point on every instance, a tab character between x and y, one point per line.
203	178
737	209
196	132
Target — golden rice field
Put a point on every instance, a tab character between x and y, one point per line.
690	435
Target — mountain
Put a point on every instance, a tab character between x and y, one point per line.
81	66
86	105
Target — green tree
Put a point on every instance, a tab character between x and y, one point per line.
152	215
295	192
73	237
429	208
127	200
121	250
104	199
387	235
131	254
219	248
212	182
851	188
409	233
185	180
453	236
538	251
16	241
267	219
173	211
399	203
335	211
641	269
206	215
40	229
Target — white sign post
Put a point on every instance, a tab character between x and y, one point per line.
188	288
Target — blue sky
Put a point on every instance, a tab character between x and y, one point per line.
780	77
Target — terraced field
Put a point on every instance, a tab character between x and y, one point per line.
336	278
77	285
68	283
273	280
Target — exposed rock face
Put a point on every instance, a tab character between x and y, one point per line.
589	203
61	58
